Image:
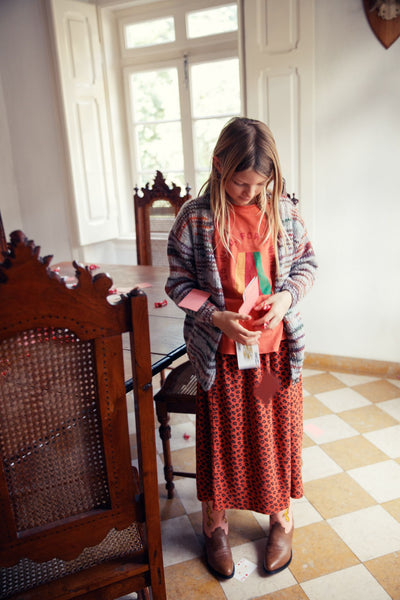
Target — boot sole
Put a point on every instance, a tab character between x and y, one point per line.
279	569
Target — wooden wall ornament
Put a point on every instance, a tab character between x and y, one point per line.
384	19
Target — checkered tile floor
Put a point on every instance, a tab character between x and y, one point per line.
347	525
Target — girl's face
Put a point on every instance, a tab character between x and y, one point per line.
245	186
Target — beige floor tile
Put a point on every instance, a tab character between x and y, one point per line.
293	592
243	527
322	383
169	508
336	495
307	441
393	508
353	452
378	391
312	408
191	580
317	551
368	418
184	460
386	570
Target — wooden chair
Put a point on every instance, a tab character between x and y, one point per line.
176	395
178	390
143	204
77	520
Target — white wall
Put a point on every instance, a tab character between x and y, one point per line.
33	185
353	309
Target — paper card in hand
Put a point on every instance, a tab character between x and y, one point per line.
250	296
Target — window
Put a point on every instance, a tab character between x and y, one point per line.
182	83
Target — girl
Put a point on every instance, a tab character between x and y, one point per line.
249	419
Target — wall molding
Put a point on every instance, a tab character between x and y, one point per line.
346	364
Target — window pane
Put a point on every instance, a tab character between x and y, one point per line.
159	146
155	95
212	21
206	133
215	88
150	33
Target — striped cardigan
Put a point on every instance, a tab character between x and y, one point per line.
193	266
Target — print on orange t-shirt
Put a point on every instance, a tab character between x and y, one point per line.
248	257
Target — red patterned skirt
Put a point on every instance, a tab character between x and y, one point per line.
248	449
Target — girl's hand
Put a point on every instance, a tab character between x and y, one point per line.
275	308
229	323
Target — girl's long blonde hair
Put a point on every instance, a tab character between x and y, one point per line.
246	144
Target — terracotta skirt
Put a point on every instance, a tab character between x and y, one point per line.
248	447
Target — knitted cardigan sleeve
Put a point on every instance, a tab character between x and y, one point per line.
193	266
297	262
297	268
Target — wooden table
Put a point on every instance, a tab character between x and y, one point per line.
165	322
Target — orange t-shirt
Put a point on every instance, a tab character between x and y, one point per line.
249	257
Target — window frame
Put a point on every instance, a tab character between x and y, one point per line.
172	54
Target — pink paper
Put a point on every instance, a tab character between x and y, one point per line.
194	299
313	429
250	295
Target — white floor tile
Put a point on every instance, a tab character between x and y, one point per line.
351	379
258	583
381	480
392	407
179	541
395	382
369	532
311	372
328	428
343	399
179	433
387	440
354	583
316	464
304	513
263	521
187	492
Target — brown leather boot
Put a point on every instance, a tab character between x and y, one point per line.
218	553
278	553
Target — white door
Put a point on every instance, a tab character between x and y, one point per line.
78	53
279	72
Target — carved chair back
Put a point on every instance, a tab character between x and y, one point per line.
143	204
72	507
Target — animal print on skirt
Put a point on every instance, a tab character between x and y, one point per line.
248	448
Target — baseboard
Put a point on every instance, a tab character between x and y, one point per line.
359	366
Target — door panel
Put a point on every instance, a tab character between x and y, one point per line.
83	95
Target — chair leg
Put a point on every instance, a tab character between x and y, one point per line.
165	435
143	594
